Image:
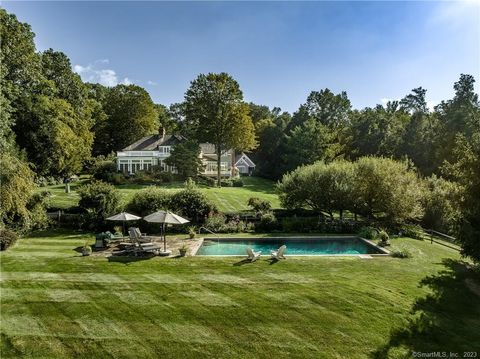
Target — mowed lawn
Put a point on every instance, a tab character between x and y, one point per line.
227	199
56	304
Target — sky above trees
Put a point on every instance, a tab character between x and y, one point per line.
278	52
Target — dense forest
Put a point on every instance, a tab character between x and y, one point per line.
53	124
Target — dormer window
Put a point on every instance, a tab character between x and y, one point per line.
164	149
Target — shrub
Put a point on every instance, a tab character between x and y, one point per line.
268	222
118	178
320	187
235	225
193	204
368	233
16	191
412	230
208	181
218	223
143	177
7	238
99	200
192	232
237	182
37	207
149	200
401	253
226	182
249	227
387	190
215	223
442	202
164	177
300	224
378	188
259	205
53	181
384	238
104	170
41	181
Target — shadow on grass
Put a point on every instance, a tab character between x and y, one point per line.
273	261
448	319
129	258
243	262
58	232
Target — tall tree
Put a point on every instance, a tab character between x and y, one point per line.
58	140
272	139
270	126
421	132
185	157
326	108
465	168
68	85
131	115
376	131
316	129
165	119
459	115
20	74
312	141
214	104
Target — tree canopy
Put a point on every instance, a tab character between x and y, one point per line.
214	106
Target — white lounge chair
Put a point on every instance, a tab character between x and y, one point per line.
142	237
141	246
278	254
252	256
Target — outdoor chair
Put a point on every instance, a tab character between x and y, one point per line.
112	236
142	237
278	254
252	256
140	247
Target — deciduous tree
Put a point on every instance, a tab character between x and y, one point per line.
214	104
131	115
185	157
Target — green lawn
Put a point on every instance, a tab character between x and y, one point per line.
56	304
227	199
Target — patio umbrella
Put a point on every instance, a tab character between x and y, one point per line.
164	217
124	217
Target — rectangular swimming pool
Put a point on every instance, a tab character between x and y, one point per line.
331	245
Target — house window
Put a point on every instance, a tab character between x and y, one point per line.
164	149
147	165
135	166
123	166
223	166
211	166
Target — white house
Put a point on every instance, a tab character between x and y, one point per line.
154	149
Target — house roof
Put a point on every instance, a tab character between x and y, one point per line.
210	157
245	158
151	143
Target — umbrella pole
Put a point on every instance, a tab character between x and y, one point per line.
123	233
164	238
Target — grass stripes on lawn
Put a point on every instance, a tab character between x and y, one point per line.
227	199
56	304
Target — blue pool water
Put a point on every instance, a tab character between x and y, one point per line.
295	246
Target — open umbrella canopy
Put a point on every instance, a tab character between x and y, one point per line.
165	217
124	216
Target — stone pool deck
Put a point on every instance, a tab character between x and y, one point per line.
174	243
